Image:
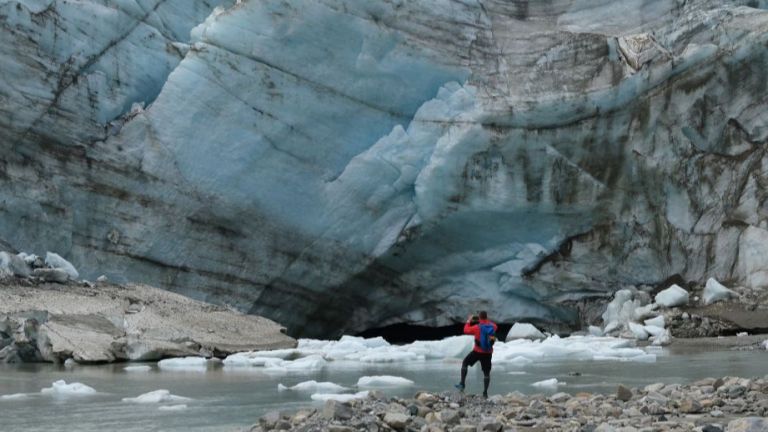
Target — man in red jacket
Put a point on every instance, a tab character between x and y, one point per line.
484	332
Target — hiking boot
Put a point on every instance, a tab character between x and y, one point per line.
459	387
485	395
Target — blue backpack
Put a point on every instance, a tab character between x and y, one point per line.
487	337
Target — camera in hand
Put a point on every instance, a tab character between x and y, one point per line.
475	319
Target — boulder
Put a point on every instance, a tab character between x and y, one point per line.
672	296
335	410
51	275
714	292
690	406
748	424
396	420
623	393
448	416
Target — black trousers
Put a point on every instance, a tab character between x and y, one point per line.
484	359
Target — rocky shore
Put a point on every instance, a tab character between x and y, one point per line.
729	404
100	322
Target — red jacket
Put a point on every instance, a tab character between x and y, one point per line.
475	330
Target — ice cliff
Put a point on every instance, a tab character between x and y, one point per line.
338	165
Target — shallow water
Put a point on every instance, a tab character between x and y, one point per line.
227	400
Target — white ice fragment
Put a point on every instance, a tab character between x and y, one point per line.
61	388
314	387
70	362
141	368
657	322
765	344
638	331
102	279
714	292
184	364
672	296
517	373
341	397
309	363
646	311
742	334
524	331
157	396
595	331
611	326
14	396
383	381
663	339
56	261
179	407
549	384
654	330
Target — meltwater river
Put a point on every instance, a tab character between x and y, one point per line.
226	399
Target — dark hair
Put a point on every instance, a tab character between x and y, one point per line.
483	315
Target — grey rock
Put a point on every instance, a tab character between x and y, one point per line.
340	428
448	416
396	420
711	428
690	406
490	426
269	420
748	424
623	393
464	428
335	410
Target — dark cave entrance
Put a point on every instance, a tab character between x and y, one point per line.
407	333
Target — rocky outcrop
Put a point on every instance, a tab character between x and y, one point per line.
725	404
106	322
339	165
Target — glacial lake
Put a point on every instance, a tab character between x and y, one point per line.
232	400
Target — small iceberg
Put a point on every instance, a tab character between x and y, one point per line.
14	397
550	384
61	388
142	368
383	381
314	387
179	407
157	396
341	397
197	364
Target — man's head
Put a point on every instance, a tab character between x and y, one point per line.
483	315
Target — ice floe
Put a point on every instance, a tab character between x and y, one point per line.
341	397
14	396
184	364
313	386
383	381
157	396
61	388
548	384
179	407
142	368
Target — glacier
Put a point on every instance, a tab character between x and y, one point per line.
338	166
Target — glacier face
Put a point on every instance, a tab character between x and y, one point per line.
339	165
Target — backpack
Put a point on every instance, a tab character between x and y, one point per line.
487	337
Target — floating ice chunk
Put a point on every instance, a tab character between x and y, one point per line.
638	331
765	344
184	364
654	330
672	296
519	361
157	396
179	407
613	325
141	368
383	381
309	363
314	387
56	261
595	331
550	384
742	334
714	292
14	396
516	373
341	397
284	354
251	359
61	388
524	331
70	362
657	322
450	347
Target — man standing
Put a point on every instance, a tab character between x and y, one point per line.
484	332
